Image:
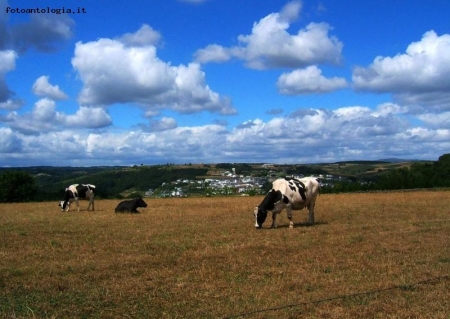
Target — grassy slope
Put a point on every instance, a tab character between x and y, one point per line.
361	169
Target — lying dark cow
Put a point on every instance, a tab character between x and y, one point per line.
129	206
75	191
292	194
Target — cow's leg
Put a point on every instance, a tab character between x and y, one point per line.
311	212
91	200
274	219
255	212
78	204
289	215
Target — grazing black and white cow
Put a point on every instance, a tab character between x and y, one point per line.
129	206
292	194
75	191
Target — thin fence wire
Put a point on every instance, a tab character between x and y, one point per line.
358	294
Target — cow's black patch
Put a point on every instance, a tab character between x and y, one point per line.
285	199
302	193
278	196
82	190
268	201
301	188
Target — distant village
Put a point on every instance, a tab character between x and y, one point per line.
227	182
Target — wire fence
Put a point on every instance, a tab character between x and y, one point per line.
353	295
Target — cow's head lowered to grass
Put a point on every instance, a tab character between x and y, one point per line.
267	204
67	206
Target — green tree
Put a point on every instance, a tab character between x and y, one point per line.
17	186
442	169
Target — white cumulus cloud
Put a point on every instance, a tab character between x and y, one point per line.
145	36
213	53
42	118
437	121
270	45
113	72
88	117
306	135
45	118
307	81
42	87
9	141
420	76
11	104
165	123
44	32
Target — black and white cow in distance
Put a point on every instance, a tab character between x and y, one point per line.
292	194
76	191
130	206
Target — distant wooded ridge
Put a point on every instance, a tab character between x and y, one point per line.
128	181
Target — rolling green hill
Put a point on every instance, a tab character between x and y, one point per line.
119	181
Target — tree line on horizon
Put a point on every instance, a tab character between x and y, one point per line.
418	175
22	186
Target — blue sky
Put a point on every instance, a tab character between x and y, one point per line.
208	81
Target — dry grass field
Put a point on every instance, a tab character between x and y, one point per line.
372	255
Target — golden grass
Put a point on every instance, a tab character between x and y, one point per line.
202	258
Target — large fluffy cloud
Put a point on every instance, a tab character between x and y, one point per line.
114	72
42	87
44	118
436	121
420	76
307	81
88	117
44	32
270	45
